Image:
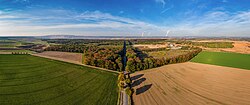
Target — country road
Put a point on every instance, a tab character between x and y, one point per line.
124	58
125	97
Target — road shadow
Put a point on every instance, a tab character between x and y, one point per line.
138	82
143	89
136	77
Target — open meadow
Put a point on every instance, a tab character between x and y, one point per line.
235	60
29	80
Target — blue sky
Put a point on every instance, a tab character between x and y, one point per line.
125	17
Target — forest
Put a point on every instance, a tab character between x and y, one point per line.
108	54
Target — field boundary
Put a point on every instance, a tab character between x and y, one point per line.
74	62
218	65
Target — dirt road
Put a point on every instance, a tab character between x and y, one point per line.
192	84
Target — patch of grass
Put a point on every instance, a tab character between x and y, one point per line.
28	51
214	44
29	80
167	53
224	59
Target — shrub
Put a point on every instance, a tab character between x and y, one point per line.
128	81
121	85
129	91
121	77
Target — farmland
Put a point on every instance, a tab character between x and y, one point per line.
168	53
10	45
65	56
224	59
25	79
192	84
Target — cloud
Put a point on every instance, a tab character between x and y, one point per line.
224	1
162	2
70	22
121	12
23	1
216	23
212	23
165	10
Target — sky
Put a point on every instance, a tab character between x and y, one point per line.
229	18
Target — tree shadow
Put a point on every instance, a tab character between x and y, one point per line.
136	77
138	82
143	89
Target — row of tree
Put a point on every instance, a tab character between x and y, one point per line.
19	53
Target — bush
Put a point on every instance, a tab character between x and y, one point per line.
128	81
129	91
121	77
120	84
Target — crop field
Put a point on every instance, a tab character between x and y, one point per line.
65	56
8	43
192	84
224	59
15	51
26	79
167	53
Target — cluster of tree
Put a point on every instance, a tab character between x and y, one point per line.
136	63
125	83
108	57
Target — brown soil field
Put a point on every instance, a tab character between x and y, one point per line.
151	46
192	84
66	56
239	46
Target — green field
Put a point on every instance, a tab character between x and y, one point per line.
29	80
224	59
21	51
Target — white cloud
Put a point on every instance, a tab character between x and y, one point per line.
165	10
162	2
213	23
121	12
105	23
22	1
217	23
224	1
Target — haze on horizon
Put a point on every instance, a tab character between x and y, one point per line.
125	17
